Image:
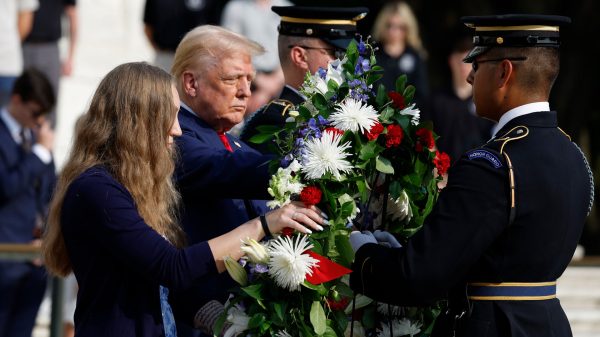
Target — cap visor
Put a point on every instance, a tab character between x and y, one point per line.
338	43
476	51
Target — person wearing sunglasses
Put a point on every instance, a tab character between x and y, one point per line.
26	181
508	222
309	38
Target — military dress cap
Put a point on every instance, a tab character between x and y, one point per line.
513	30
336	26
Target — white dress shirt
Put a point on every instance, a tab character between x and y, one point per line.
520	111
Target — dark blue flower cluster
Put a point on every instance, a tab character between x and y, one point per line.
359	90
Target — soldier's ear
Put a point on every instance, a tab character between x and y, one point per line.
190	84
504	73
298	57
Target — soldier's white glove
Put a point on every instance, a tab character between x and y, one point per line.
358	239
386	239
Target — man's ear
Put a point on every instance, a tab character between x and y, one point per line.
298	57
190	84
505	73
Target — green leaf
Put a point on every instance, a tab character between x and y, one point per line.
319	101
346	209
279	310
382	96
268	128
317	318
329	332
383	165
218	326
255	291
363	189
387	113
401	84
377	68
368	151
342	243
256	320
332	86
409	94
261	138
372	78
319	288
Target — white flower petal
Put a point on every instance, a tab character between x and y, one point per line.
326	155
412	111
353	115
288	264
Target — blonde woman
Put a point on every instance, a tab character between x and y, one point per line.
113	217
400	48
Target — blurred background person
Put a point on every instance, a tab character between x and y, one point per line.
41	49
167	21
255	20
26	181
451	108
16	20
401	50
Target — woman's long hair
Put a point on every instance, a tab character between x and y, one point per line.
126	130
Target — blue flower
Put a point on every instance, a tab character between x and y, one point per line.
322	73
322	121
362	65
362	47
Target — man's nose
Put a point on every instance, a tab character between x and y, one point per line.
244	88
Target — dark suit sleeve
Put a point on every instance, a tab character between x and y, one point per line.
205	170
471	213
17	178
117	225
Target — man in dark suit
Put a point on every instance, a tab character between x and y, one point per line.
309	38
217	173
507	224
26	180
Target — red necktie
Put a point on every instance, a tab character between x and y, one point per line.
225	141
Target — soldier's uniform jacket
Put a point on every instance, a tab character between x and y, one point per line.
472	237
274	113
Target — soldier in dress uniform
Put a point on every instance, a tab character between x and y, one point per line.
506	226
309	38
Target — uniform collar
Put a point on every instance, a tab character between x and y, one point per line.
520	111
292	95
12	125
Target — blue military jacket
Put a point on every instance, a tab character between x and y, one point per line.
472	237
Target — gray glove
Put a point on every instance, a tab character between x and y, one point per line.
357	239
386	239
207	316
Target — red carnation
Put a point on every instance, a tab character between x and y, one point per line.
441	162
394	136
310	195
335	131
397	100
375	131
338	305
424	138
287	231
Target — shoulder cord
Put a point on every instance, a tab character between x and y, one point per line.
591	177
587	166
511	173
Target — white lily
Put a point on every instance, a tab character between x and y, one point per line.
255	251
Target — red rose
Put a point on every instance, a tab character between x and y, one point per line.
441	162
375	131
335	131
394	136
397	100
424	138
310	195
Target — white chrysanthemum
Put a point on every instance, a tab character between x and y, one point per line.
239	321
353	115
282	333
412	111
324	155
403	327
288	264
386	309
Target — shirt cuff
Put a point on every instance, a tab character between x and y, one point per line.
42	153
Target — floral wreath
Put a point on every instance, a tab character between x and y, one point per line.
363	157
